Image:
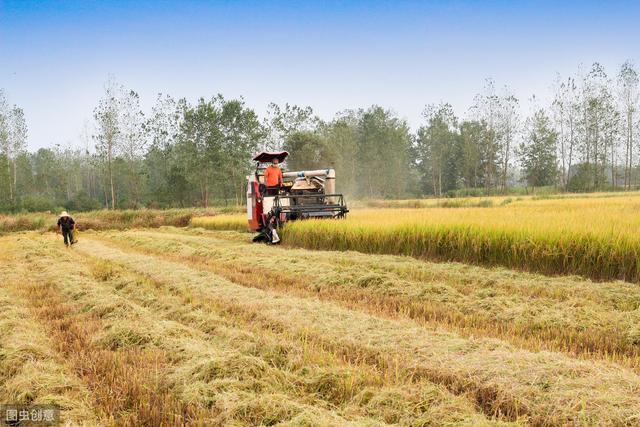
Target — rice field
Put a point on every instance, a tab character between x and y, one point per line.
164	325
596	236
172	326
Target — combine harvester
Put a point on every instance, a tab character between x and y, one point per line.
304	194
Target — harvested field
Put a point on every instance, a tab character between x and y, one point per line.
169	326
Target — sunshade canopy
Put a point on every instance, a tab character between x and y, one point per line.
266	157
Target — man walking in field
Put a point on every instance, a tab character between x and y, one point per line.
66	225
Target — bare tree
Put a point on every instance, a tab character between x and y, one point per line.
5	138
628	97
486	109
108	130
510	124
597	123
132	139
88	170
17	140
13	140
565	108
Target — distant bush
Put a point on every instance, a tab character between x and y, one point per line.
82	203
24	222
466	192
487	203
37	203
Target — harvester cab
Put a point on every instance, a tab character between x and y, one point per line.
302	194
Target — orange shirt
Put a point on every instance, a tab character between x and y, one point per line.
273	176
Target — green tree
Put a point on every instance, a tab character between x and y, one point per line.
242	134
306	150
472	134
160	163
436	142
487	109
281	122
538	152
384	145
340	145
216	140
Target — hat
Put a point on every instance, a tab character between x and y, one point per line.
64	213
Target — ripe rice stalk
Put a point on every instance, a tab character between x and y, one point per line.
221	222
595	238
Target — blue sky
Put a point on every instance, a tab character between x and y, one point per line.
56	55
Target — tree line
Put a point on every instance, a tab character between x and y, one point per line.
198	154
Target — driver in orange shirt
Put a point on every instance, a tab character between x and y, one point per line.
273	177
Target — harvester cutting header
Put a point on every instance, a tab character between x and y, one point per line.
274	197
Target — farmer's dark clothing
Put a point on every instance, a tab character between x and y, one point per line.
68	237
66	224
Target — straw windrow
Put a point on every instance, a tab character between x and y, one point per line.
210	366
595	320
546	387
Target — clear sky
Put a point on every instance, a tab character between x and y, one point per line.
56	55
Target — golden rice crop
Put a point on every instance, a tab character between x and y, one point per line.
470	202
221	222
594	237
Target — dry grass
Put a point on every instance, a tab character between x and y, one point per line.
562	314
185	326
104	219
544	388
209	364
123	379
31	372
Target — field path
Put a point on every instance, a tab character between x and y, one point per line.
545	387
